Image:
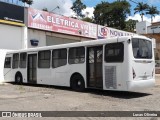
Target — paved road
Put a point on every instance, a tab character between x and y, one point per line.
44	98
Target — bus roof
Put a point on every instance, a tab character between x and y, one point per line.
83	43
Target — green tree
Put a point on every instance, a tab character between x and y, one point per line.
131	25
77	7
87	19
29	2
45	9
141	7
24	1
112	14
102	13
152	11
120	10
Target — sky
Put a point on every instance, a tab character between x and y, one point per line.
92	3
65	5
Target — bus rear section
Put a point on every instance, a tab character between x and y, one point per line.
142	64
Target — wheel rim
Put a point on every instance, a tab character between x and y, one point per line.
18	79
79	83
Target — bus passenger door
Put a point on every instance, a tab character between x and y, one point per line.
32	68
94	67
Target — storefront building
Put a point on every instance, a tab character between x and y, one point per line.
23	28
45	29
11	26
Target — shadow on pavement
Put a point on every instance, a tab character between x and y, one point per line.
118	94
99	93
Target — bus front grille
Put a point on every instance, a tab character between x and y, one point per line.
110	77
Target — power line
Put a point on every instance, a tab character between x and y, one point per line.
133	1
136	2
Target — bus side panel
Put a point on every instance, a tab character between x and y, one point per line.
127	66
3	70
115	74
8	72
61	76
44	76
77	68
10	76
24	74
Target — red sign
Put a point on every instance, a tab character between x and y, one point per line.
107	32
61	24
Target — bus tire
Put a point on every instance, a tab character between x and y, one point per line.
18	78
77	83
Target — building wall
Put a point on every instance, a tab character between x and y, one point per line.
153	29
141	27
11	37
49	38
52	40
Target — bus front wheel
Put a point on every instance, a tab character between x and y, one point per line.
18	78
77	83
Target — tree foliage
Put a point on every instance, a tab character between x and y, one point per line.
112	14
141	7
77	7
130	25
45	9
87	19
29	2
152	11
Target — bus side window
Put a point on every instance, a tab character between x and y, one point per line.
44	59
15	60
7	63
23	57
76	55
59	58
114	52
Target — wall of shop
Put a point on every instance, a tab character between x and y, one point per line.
153	29
11	37
45	38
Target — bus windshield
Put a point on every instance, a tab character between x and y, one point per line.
142	49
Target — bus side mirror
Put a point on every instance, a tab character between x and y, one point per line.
129	41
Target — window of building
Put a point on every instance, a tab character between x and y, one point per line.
59	58
154	27
7	63
22	63
114	52
76	55
15	60
44	59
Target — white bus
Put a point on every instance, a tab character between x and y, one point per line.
122	64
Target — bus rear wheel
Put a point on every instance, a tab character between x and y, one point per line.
77	83
18	78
